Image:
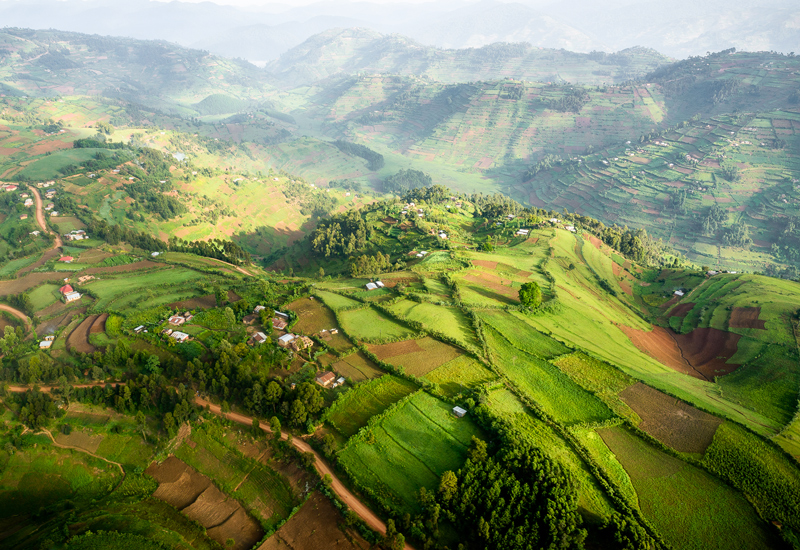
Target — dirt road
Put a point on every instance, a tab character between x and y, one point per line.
17	313
373	521
40	216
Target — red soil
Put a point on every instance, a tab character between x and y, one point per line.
681	310
747	317
484	263
661	346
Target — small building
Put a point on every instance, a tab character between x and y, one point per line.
523	232
138	329
23	216
712	272
371	286
154	254
678	293
49	206
49	338
325	379
167	331
281	314
179	337
339	381
570	228
45	344
258	309
442	235
66	259
258	338
66	289
72	297
28	202
176	320
35	233
286	339
278	323
334	331
54	214
379	284
459	412
188	316
301	342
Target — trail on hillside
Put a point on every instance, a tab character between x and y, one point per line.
40	217
80	450
373	521
17	313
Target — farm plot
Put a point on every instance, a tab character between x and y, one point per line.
525	338
80	439
599	378
78	339
317	525
314	317
336	301
194	494
417	357
412	447
352	410
550	388
109	290
43	296
449	321
462	372
747	317
691	508
356	367
10	268
371	324
670	420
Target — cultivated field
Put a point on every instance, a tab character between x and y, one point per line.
356	367
353	409
417	357
372	325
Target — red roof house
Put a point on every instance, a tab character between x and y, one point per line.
66	289
66	259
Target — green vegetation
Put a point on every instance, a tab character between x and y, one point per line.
369	324
353	409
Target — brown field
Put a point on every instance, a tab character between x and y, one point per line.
93	256
747	317
135	266
192	493
417	357
492	282
21	284
357	367
314	316
702	353
484	263
315	526
80	439
681	310
200	302
61	317
670	420
78	339
99	324
708	349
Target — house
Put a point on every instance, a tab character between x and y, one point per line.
280	314
423	252
334	331
54	213
28	202
66	289
554	220
176	320
340	380
279	323
154	254
570	228
325	379
49	206
459	412
379	284
286	339
179	337
523	232
678	293
23	217
258	338
45	344
371	286
167	331
138	329
49	338
35	233
258	309
301	342
442	235
188	316
72	296
713	272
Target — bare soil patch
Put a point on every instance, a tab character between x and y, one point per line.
99	324
80	439
484	263
747	317
661	346
135	266
192	493
681	310
21	284
708	349
670	420
201	302
317	525
63	317
492	282
78	339
384	351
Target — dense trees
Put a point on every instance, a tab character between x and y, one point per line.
713	220
342	234
737	234
405	180
374	160
573	101
530	294
370	265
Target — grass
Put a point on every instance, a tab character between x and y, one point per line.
551	389
371	324
336	301
11	267
591	499
109	290
412	447
608	463
43	296
529	340
691	508
450	321
356	367
460	373
351	412
427	354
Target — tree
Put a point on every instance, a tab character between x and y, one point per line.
448	486
141	424
530	295
275	426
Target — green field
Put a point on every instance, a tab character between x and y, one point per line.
691	508
412	447
11	267
43	296
449	321
336	301
353	409
144	285
371	324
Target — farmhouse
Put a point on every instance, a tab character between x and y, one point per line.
278	323
280	314
67	259
301	342
188	316
176	320
49	206
258	309
66	289
23	217
371	286
45	344
54	213
167	331
34	233
379	284
459	412
523	232
138	329
179	337
286	339
570	228
257	338
28	202
325	379
154	254
442	235
678	293
71	297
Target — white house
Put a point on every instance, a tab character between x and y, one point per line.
286	339
179	336
379	284
72	296
371	286
459	412
678	293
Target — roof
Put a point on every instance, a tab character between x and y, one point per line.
287	338
284	315
66	289
44	344
66	259
326	377
178	335
459	411
72	296
379	284
371	286
260	337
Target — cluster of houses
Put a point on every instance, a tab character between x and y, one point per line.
420	254
47	342
9	187
76	235
69	294
46	184
295	342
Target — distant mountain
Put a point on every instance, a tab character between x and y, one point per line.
352	51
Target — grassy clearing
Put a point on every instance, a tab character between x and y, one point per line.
43	296
459	374
554	391
10	268
353	409
371	324
450	321
412	447
528	339
691	508
109	290
336	301
507	407
608	462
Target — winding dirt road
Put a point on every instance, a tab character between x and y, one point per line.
373	521
17	313
37	198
